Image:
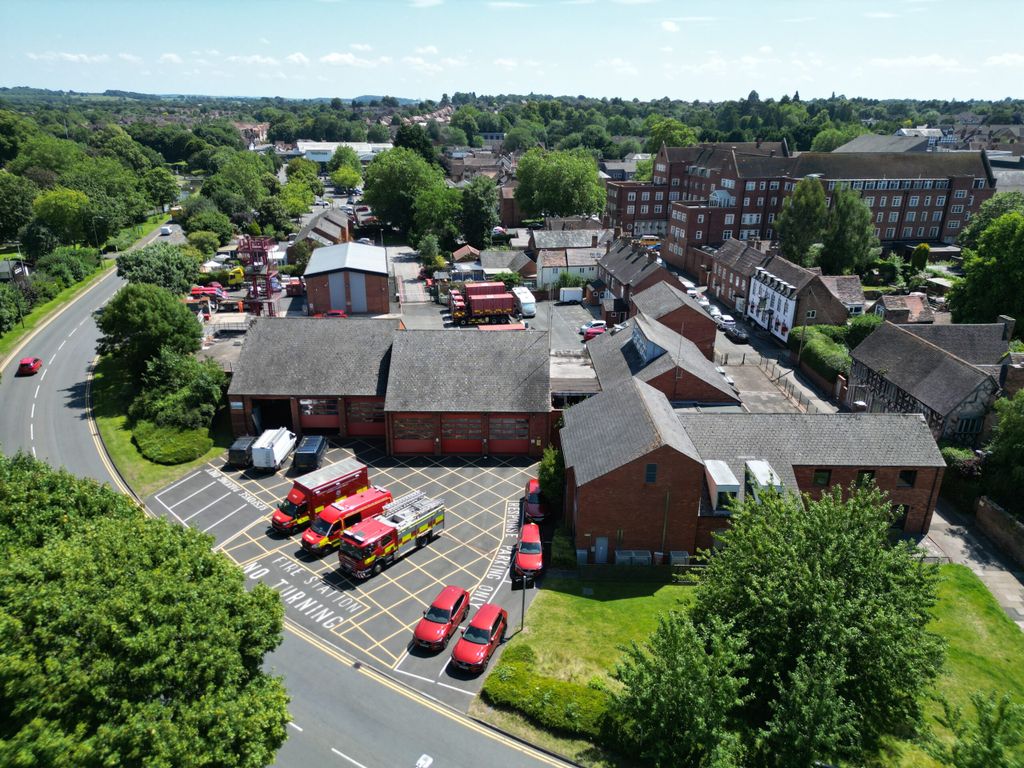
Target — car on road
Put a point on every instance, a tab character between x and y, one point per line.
335	313
726	321
715	312
528	556
480	639
365	241
534	508
736	335
29	365
592	324
441	619
592	332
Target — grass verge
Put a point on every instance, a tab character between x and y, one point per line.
131	235
111	394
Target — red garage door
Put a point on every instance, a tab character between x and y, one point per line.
413	434
365	418
462	433
509	434
319	413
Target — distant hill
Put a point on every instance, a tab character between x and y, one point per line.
368	99
43	94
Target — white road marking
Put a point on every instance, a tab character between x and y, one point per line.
73	331
62	345
418	677
293	725
31	432
346	757
190	495
172	487
32	414
453	688
219	498
33	451
207	530
44	374
81	323
425	761
52	359
37	392
170	510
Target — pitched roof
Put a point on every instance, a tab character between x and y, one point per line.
787	440
980	344
921	369
872	142
352	256
468	372
741	258
788	272
915	306
662	298
569	238
617	426
846	288
628	263
464	251
513	261
305	356
867	165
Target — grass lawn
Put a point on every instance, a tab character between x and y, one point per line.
111	395
576	636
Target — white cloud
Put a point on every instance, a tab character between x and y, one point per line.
347	60
425	3
74	58
427	49
254	59
933	62
170	58
420	64
454	62
131	58
297	58
506	63
880	15
213	52
361	47
622	66
669	26
765	50
666	49
1005	60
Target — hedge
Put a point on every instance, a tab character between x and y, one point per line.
822	355
167	445
563	552
962	483
568	708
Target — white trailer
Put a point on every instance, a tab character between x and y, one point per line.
272	448
569	295
526	304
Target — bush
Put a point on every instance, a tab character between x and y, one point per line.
836	333
563	552
860	328
962	482
569	708
822	355
168	445
69	264
179	391
551	474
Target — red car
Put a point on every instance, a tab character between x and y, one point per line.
334	313
29	365
590	333
440	620
485	633
528	560
533	503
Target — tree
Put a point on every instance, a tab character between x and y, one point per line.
570	280
210	221
993	280
415	138
272	216
849	242
161	186
519	139
377	133
346	178
12	306
140	320
510	279
551	474
668	131
479	211
16	196
644	169
1003	464
36	239
997	205
802	220
64	212
559	184
990	742
168	266
296	198
101	667
834	619
344	157
204	241
833	136
919	257
394	180
179	391
299	253
681	690
437	211
303	171
69	264
428	249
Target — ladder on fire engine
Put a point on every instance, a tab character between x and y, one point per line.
411	507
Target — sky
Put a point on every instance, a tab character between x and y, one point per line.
644	49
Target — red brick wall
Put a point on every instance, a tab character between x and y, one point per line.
679	384
706	528
318	294
920	500
696	326
620	500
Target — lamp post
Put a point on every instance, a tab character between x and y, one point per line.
95	238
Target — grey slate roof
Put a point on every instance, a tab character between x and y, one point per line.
741	258
928	373
569	238
867	165
628	264
980	344
789	272
787	440
305	356
661	299
469	371
352	256
617	426
846	288
513	261
872	142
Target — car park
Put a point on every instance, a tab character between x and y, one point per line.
441	619
481	638
736	335
528	556
534	507
29	365
592	324
310	453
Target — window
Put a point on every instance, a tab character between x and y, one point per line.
920	231
879	217
700	218
811	314
651	473
831	186
645	195
750	186
746	202
865	476
956	209
927	200
659	195
660	167
933	232
927	183
907	478
630	209
911	216
773	185
870	202
631	196
858	185
822	477
894	217
698	235
955	224
869	185
675	182
883	201
771	217
897	201
936	215
908	232
724	499
979	184
762	186
760	202
727	234
960	194
730	218
769	235
319	407
657	208
643	208
878	232
914	201
890	233
940	200
967	427
774	201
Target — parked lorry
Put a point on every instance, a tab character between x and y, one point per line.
406	524
526	304
235	276
326	531
311	493
570	295
272	448
295	286
479	308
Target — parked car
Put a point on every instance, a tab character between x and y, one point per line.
441	619
364	241
164	231
480	639
592	324
726	321
528	556
310	453
592	332
335	313
736	335
703	300
534	507
29	365
715	312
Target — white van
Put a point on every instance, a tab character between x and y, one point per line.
272	448
526	304
165	231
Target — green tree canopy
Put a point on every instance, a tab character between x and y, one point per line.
437	211
394	180
343	157
644	170
1004	464
849	242
204	241
304	171
521	138
479	211
990	740
296	198
997	205
346	178
377	133
64	212
834	136
16	196
993	281
163	264
668	131
415	138
179	391
802	221
210	220
69	263
161	186
142	318
559	184
13	306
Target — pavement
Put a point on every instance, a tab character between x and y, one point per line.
406	267
963	543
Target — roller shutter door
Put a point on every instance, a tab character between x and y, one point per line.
462	433
413	434
509	434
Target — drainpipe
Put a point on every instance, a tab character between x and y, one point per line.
664	524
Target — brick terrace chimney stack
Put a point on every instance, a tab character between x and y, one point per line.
1008	326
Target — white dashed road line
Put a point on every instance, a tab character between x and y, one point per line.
190	495
293	725
37	392
62	345
346	757
31	432
44	374
32	413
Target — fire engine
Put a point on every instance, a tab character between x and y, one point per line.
406	524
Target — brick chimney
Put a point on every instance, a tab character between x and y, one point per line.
1011	374
593	240
1008	326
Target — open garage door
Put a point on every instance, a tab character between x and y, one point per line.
273	413
413	434
509	434
462	433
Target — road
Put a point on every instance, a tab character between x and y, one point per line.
348	714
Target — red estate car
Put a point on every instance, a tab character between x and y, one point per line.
29	365
528	560
591	333
440	620
485	632
533	503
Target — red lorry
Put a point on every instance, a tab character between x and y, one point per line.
481	308
311	493
406	524
325	532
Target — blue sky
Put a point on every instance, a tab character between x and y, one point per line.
423	48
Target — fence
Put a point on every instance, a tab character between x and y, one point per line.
785	385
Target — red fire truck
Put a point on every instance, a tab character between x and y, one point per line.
311	493
325	532
406	524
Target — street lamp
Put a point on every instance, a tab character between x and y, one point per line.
95	238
